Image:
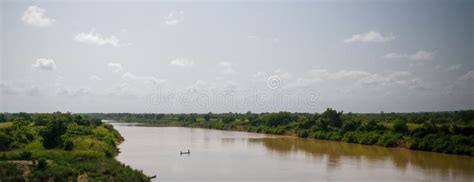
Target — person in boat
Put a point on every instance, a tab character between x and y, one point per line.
188	152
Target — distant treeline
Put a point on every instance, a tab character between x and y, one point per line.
445	132
60	147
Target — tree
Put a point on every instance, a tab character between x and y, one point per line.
228	118
207	117
53	132
5	141
332	117
372	125
24	115
349	126
304	122
2	118
400	126
277	119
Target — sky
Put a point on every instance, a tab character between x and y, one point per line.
236	56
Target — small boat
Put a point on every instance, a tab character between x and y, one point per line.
188	152
152	177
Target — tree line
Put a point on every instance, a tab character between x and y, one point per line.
444	132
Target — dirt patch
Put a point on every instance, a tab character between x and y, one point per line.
24	165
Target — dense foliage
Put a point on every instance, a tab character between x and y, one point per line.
446	132
60	147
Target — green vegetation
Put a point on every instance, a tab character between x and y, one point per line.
445	132
60	147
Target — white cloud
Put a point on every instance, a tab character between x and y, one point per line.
224	64
371	36
146	79
420	55
462	86
319	75
448	68
282	74
201	85
95	78
7	89
123	90
33	90
73	92
343	74
226	67
262	76
132	86
115	67
417	58
174	17
44	64
263	39
36	16
259	76
98	39
183	62
469	76
454	67
363	79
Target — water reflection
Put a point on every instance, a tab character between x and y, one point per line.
335	152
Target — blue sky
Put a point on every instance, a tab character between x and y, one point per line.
152	56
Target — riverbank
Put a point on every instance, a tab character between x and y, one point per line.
442	132
61	147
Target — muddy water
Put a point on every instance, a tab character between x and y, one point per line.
239	156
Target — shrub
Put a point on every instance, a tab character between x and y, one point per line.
108	154
42	164
400	126
10	172
369	138
389	139
68	145
349	137
303	133
5	141
25	155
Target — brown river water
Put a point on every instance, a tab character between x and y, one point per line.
221	156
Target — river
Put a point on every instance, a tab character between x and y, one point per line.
228	156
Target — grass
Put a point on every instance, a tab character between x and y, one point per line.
5	124
92	154
411	126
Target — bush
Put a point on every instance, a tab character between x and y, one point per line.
323	135
25	155
349	126
109	154
369	138
42	164
3	157
349	137
389	139
68	145
400	126
10	172
5	141
303	133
